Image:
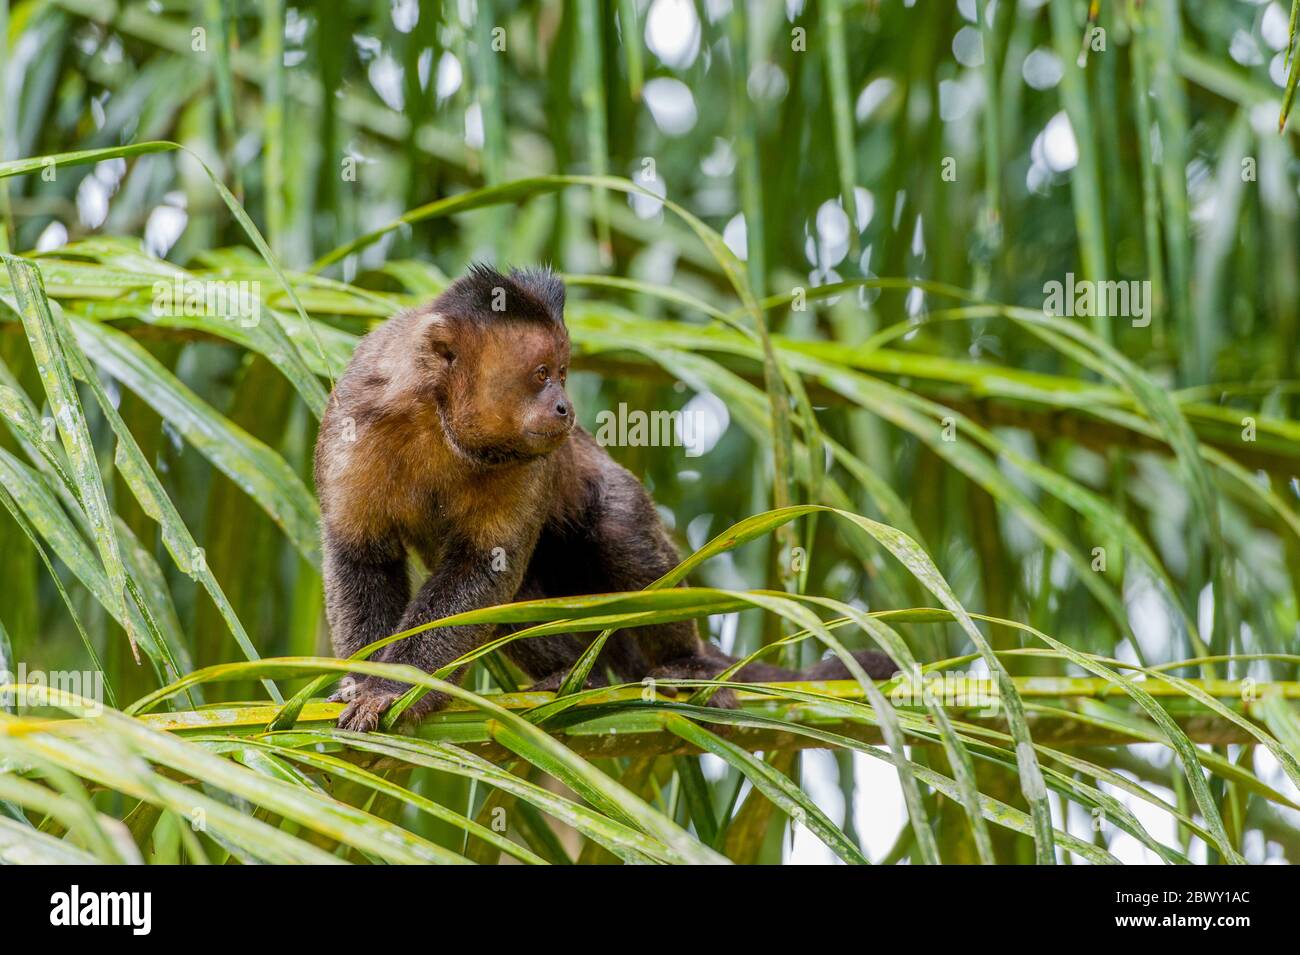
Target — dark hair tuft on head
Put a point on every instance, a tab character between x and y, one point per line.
535	295
544	285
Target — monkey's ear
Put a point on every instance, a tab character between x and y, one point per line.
440	337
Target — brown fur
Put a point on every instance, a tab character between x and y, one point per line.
450	435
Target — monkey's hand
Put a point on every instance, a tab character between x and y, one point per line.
371	699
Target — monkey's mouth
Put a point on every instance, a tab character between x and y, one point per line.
548	435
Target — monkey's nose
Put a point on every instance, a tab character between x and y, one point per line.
562	409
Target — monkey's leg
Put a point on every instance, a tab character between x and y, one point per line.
555	679
457	586
546	659
366	591
634	550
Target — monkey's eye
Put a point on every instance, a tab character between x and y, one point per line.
564	373
541	374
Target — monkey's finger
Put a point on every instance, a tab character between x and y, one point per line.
361	716
363	713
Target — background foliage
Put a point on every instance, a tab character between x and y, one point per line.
825	227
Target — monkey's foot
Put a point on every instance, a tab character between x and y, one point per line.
724	698
370	701
346	691
691	668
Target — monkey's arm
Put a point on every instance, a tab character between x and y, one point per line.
366	592
466	580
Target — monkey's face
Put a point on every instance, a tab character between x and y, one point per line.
506	399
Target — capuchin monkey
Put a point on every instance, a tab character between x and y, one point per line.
451	435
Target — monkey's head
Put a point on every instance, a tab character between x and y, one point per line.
499	356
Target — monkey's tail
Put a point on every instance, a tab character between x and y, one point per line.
877	665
